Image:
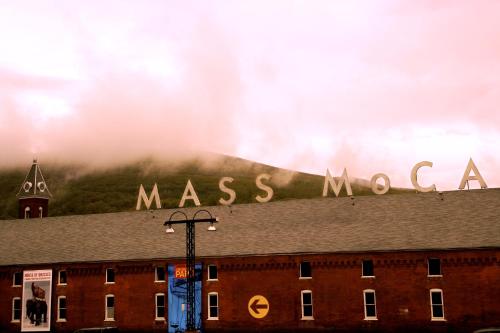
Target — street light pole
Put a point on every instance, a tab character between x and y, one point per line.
190	258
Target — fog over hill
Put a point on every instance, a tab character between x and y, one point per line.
81	189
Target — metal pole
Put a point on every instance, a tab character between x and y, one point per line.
190	267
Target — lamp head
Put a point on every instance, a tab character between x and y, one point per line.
169	229
211	227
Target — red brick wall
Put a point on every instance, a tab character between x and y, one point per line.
34	204
470	282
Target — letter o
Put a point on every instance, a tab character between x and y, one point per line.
387	183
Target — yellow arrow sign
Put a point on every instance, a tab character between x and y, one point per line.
258	306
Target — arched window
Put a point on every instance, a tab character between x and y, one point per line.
40	210
27	212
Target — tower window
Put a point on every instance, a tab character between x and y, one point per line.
61	308
27	212
160	306
63	278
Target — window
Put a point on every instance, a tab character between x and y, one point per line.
61	308
17	279
110	308
305	270
16	309
27	213
63	279
110	275
40	210
307	304
160	274
434	266
370	307
367	268
437	306
160	306
212	273
213	306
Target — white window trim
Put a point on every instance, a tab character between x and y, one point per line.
59	309
26	210
106	281
156	306
156	274
14	280
208	304
429	269
59	278
366	276
208	273
302	292
106	307
442	304
375	303
300	271
12	320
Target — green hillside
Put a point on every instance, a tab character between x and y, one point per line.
80	190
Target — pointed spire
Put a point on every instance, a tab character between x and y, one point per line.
34	185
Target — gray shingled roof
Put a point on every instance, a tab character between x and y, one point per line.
424	221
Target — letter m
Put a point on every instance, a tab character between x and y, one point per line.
336	187
148	201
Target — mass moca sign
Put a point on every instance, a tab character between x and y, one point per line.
471	173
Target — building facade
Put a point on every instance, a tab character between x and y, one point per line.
427	262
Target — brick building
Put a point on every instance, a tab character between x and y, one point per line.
427	262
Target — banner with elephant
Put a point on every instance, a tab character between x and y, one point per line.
37	292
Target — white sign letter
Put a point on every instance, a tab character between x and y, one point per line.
189	194
337	187
414	180
477	176
148	201
387	183
223	188
270	192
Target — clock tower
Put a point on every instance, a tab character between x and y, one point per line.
34	194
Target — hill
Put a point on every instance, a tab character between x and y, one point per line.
83	190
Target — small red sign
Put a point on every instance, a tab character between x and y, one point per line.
180	272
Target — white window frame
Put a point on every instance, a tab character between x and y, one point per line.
302	292
362	269
20	310
436	290
106	318
429	268
208	273
156	306
210	305
114	276
27	212
164	274
59	278
59	319
366	291
14	279
40	210
300	270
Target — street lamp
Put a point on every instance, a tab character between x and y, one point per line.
190	256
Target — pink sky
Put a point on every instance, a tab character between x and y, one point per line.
306	85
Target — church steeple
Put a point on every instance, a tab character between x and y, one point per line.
34	194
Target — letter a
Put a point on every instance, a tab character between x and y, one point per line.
189	194
337	187
477	176
148	201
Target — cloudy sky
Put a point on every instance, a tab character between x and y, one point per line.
374	86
